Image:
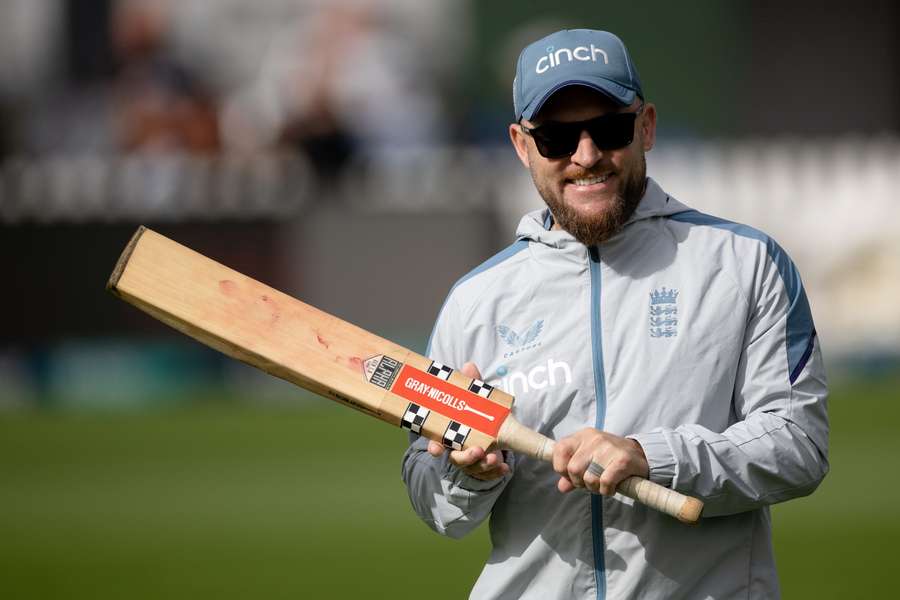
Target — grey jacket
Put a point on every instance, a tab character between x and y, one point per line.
691	334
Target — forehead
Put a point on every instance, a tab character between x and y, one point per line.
575	103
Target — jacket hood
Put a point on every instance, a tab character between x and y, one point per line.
536	225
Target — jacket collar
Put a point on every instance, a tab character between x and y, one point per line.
536	225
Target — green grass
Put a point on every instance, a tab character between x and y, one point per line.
225	502
231	502
840	542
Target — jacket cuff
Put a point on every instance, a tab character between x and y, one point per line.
659	455
461	479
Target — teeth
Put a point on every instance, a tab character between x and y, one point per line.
591	180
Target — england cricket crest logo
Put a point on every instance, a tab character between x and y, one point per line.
664	313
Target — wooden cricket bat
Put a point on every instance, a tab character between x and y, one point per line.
272	331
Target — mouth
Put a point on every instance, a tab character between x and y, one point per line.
585	181
591	183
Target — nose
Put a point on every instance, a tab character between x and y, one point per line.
587	154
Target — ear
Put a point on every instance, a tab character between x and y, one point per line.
520	143
647	126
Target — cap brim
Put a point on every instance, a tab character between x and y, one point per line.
615	92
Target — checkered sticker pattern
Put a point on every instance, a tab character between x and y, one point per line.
455	435
440	371
481	388
414	417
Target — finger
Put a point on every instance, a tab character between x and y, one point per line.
466	458
564	485
615	472
470	370
491	474
562	454
592	477
435	449
577	467
491	461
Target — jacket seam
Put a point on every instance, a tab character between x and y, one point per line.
768	432
763	497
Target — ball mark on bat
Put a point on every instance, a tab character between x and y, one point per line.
322	341
227	287
273	307
357	363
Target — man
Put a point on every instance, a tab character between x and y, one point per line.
645	337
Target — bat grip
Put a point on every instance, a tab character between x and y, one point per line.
515	436
684	508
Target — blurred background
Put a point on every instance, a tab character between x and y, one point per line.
354	154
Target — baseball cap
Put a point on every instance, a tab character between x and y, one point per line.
586	57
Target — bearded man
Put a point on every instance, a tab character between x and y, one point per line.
647	338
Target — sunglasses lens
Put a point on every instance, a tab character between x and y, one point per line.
609	132
556	140
614	132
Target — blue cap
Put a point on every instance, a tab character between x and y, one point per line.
586	57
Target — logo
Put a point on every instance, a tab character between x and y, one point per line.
664	313
381	370
550	374
581	53
520	343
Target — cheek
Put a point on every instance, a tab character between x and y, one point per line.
629	159
541	168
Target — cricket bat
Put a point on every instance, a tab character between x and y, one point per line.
285	337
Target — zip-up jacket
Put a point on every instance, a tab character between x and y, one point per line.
688	333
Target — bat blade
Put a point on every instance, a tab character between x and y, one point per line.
290	339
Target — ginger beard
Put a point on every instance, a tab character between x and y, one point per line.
594	227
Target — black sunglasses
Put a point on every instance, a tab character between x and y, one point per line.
609	132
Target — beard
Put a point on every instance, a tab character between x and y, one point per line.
593	229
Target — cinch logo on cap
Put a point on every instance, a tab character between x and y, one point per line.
582	53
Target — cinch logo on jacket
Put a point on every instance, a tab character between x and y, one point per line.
582	53
553	373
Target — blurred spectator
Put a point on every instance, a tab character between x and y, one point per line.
30	39
314	125
343	82
162	104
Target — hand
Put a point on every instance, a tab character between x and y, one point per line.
619	458
473	461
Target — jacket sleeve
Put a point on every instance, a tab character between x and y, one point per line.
777	448
449	501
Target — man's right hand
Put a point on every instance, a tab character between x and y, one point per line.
474	461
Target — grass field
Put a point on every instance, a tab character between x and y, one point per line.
226	501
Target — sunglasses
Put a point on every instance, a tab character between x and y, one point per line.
560	140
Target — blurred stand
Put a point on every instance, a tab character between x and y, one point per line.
64	223
352	153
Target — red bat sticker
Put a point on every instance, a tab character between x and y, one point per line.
434	393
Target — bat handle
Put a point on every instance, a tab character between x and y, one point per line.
684	508
518	438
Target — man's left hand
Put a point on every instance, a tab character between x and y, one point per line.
619	457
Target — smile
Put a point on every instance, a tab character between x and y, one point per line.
591	180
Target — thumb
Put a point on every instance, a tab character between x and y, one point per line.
470	370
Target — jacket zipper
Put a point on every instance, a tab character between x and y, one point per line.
600	394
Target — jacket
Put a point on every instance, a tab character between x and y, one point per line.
689	333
